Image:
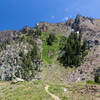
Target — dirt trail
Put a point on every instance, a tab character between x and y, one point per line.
52	95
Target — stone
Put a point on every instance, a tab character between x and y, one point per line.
16	79
65	90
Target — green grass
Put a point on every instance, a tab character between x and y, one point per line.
50	52
59	91
36	91
25	36
92	82
73	91
23	91
51	75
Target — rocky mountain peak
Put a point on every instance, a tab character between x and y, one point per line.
79	18
25	29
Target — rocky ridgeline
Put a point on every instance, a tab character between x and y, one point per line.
89	27
12	34
12	53
10	61
9	35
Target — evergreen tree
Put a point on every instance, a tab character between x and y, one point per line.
80	37
51	38
62	42
72	50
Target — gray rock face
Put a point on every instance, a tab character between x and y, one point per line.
9	35
10	61
25	30
89	27
88	68
15	48
39	44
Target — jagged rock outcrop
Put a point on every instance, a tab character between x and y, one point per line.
88	68
90	29
10	54
16	56
25	30
9	35
11	60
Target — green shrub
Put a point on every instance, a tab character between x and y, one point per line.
64	98
97	75
90	82
37	82
97	79
50	39
72	50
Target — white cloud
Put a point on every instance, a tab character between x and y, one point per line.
70	16
65	19
52	17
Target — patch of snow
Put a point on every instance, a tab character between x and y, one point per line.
72	30
78	32
78	79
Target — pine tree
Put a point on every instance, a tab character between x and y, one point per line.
51	38
73	50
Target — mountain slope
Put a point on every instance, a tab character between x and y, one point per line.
24	38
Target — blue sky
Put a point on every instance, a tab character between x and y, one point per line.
15	14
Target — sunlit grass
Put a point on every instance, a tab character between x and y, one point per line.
24	91
54	49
